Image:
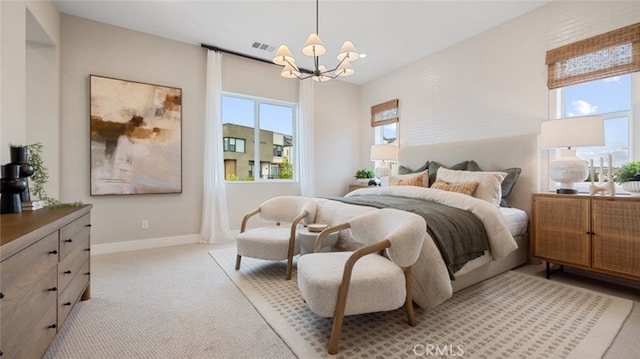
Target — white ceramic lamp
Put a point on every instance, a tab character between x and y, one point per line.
383	153
564	134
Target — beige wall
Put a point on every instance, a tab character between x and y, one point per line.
95	48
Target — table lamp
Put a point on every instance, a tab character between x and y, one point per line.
383	152
565	134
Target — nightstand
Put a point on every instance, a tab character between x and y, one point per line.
595	233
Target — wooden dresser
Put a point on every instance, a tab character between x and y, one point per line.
44	269
597	233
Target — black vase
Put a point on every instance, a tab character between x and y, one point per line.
11	185
19	156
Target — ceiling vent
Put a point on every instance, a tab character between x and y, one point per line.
263	47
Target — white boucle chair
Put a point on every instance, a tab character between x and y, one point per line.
336	284
275	241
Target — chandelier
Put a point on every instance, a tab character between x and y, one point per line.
315	48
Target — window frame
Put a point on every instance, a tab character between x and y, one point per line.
556	102
257	101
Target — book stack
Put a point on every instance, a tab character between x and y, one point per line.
32	205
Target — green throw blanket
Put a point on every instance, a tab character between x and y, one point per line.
459	235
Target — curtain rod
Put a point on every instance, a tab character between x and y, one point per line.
217	49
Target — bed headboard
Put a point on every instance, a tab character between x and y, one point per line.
490	154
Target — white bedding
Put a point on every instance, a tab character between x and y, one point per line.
431	282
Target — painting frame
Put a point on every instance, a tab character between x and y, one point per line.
135	137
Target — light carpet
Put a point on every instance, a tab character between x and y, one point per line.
510	315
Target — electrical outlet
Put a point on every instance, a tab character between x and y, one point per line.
145	224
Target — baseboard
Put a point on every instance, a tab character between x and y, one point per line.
139	244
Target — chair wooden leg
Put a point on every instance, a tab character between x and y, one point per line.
338	317
238	257
289	268
335	333
411	315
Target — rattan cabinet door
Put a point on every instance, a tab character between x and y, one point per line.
561	226
616	236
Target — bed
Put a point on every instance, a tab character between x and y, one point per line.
505	219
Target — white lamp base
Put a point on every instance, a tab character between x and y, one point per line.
568	169
382	170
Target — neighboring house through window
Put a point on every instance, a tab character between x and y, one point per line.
257	131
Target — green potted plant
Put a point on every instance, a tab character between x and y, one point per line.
629	177
364	175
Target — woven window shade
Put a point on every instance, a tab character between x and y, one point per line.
613	53
384	113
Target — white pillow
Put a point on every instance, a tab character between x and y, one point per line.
489	183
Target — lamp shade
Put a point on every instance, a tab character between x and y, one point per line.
348	52
313	46
283	56
345	69
572	132
384	152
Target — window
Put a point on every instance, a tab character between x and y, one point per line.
258	131
233	144
610	98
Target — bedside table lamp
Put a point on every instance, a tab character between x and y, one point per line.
383	153
565	134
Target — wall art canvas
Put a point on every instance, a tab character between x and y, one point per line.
136	139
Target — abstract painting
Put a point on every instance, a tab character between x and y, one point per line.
136	137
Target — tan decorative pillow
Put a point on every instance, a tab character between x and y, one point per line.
465	188
420	179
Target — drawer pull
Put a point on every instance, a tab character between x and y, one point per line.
68	240
88	273
87	249
52	326
67	272
53	289
1	295
55	251
88	225
1	353
67	304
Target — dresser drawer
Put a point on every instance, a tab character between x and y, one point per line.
74	235
28	266
28	322
71	265
70	296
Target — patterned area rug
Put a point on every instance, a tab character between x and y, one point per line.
512	315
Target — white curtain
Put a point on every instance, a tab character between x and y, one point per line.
215	218
306	144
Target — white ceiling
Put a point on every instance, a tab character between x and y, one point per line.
391	33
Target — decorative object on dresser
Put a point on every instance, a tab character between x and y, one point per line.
595	233
383	153
629	177
19	155
11	186
609	186
45	270
566	134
